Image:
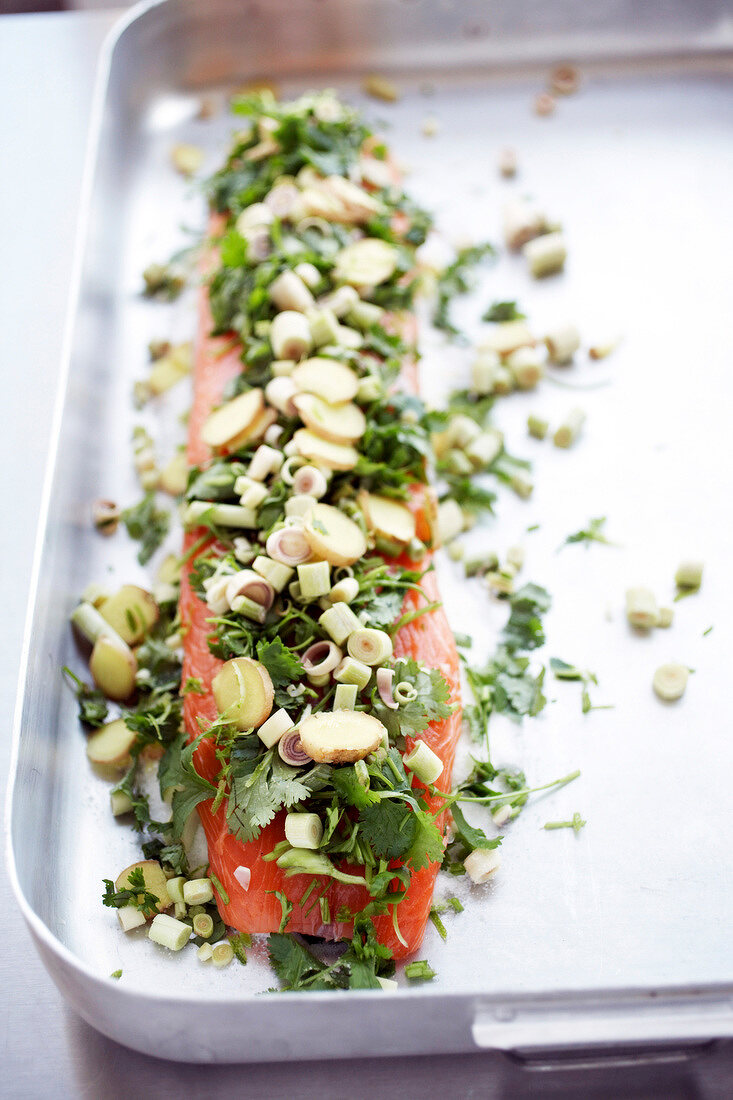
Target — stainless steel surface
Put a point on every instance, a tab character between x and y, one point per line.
605	914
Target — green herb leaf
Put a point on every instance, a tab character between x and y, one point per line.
148	525
503	311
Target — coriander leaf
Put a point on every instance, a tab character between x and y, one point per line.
427	846
470	835
177	770
524	627
251	802
283	665
563	671
592	533
503	311
431	704
389	827
92	702
148	525
350	790
135	894
457	279
291	960
286	908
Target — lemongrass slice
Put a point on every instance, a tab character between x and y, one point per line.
340	736
385	678
169	932
250	584
289	546
276	726
388	518
425	764
230	420
113	668
334	456
110	745
670	681
303	830
310	481
321	657
327	379
481	864
290	750
290	335
366	263
371	647
243	692
641	608
344	423
130	612
333	536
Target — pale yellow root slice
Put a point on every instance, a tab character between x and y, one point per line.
230	420
340	736
243	692
255	431
113	669
326	378
174	476
344	423
155	881
110	745
333	536
130	612
366	263
335	456
388	518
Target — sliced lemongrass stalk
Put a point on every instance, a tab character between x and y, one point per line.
198	891
515	556
303	830
292	463
333	536
423	763
265	461
339	622
545	255
251	585
310	481
345	590
450	520
216	595
92	626
243	605
299	505
523	220
282	368
502	815
204	953
281	199
385	678
483	372
243	875
689	574
341	301
537	426
290	335
95	594
666	617
288	291
168	372
600	349
370	388
222	953
175	889
351	671
570	428
106	516
363	315
113	667
324	327
481	864
462	430
169	932
244	692
290	750
340	736
289	546
222	515
120	803
486	447
274	572
670	681
506	338
526	368
174	476
404	692
309	273
562	343
371	647
314	579
362	772
321	657
641	608
110	745
349	337
279	392
129	918
254	215
243	551
203	925
456	551
345	697
277	725
522	485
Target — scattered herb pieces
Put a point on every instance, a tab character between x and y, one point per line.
592	533
135	894
148	525
92	703
116	974
576	823
457	279
564	671
503	311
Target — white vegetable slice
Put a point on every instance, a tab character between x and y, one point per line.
344	423
333	536
334	456
340	736
326	378
243	692
230	420
481	864
388	518
670	681
111	744
365	263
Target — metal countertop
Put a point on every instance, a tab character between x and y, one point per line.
47	65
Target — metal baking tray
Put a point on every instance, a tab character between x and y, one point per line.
620	935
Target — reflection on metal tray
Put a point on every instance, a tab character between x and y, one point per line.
623	932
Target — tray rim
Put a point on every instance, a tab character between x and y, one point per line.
58	958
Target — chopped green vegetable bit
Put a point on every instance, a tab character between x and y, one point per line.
564	671
457	279
503	311
92	703
592	533
576	823
299	968
455	905
239	944
116	974
148	525
419	971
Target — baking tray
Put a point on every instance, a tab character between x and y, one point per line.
618	939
